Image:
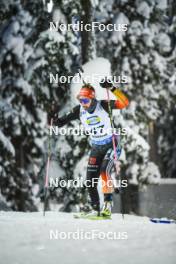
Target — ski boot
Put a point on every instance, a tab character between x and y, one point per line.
92	214
95	211
107	208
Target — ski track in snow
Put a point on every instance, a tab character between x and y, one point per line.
25	239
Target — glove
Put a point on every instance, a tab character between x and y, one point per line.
56	121
53	113
53	116
106	83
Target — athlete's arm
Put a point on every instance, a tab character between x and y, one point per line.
70	116
121	103
122	100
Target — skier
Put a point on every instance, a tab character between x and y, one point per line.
94	115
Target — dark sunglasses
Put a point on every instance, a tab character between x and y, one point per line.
84	100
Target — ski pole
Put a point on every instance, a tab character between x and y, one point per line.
114	148
47	171
81	71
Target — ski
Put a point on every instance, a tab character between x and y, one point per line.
162	221
91	217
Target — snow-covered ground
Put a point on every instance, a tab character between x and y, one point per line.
25	238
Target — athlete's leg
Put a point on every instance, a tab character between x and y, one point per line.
107	182
106	169
93	172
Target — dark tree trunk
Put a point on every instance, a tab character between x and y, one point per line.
153	142
87	37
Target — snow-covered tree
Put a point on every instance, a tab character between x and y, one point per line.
61	52
21	119
143	54
31	53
